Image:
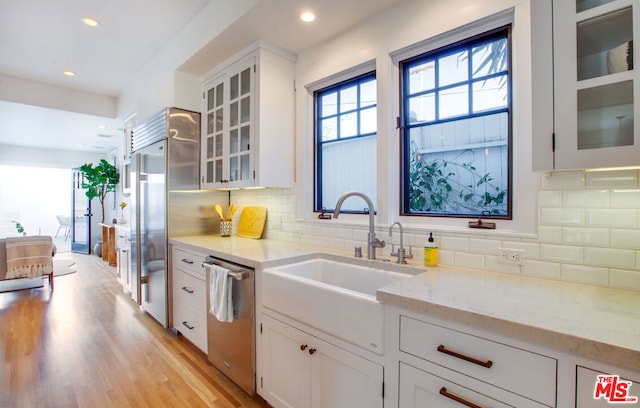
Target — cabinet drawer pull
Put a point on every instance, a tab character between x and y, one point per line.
312	350
187	326
486	364
187	261
187	289
303	347
445	393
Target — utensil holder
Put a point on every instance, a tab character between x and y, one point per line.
225	228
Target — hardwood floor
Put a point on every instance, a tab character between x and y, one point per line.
88	345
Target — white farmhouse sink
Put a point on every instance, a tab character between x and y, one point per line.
336	297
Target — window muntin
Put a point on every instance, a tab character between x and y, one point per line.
457	129
345	139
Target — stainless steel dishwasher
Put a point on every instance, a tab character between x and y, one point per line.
231	346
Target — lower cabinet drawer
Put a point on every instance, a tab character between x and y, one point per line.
419	389
189	261
518	371
192	326
189	290
612	390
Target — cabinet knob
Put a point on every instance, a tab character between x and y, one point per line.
312	350
303	347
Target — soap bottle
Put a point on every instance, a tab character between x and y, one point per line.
430	252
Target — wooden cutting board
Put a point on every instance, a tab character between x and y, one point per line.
252	222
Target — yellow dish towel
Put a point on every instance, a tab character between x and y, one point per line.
29	257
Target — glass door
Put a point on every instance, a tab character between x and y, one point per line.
81	219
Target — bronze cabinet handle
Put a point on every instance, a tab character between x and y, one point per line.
460	400
303	347
187	261
187	326
187	289
486	364
312	350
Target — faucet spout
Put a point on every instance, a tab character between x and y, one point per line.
400	251
373	241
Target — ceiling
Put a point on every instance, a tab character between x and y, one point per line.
44	38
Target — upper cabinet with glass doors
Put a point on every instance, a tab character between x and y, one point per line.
596	84
248	133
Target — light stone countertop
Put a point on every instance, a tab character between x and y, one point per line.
594	322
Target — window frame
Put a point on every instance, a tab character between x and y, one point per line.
442	48
343	83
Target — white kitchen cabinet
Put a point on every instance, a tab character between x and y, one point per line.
189	300
123	261
622	390
419	389
301	370
439	361
596	84
248	131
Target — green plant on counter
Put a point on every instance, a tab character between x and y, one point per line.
19	228
100	180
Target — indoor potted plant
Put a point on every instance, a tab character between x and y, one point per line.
100	180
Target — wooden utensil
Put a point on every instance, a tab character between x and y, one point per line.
219	211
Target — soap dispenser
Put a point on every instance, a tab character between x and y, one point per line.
430	252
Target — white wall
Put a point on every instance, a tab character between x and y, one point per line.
157	86
31	156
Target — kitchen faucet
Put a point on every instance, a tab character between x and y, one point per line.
373	242
400	252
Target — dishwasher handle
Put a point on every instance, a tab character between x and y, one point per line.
237	275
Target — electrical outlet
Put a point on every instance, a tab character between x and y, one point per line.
276	224
510	255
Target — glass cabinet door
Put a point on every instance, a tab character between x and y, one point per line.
240	107
595	83
214	152
229	103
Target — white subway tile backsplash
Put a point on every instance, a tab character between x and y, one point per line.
550	235
585	236
561	253
550	198
588	275
484	246
467	260
625	199
627	238
564	180
588	231
445	257
585	199
607	257
562	216
540	269
624	279
454	243
612	218
612	179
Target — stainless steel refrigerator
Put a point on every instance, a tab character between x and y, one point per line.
165	168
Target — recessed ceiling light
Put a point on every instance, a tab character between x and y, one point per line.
307	16
91	22
69	73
